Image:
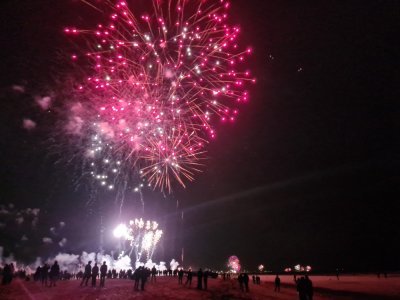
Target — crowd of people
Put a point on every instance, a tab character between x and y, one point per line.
49	275
141	275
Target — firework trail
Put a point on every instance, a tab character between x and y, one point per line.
142	236
156	85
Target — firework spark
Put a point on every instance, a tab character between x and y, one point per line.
156	86
143	237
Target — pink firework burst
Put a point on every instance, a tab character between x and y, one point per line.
156	86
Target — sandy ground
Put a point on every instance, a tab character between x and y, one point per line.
364	287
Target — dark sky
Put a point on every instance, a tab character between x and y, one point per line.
308	174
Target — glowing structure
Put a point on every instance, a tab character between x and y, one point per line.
261	268
234	264
143	237
155	86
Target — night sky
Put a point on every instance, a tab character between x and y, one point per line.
308	174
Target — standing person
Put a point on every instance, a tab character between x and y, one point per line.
240	279
136	277
246	281
143	277
200	279
153	274
308	288
54	273
7	275
36	276
301	288
205	278
103	274
45	274
86	274
277	283
180	276
189	277
95	273
12	270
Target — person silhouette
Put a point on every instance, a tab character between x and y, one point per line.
54	273
45	274
308	288
277	283
180	276
36	276
240	280
7	274
200	279
95	273
143	277
153	274
205	278
246	281
189	277
103	274
136	278
301	288
87	274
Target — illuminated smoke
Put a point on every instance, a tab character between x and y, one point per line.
47	240
18	88
43	102
28	124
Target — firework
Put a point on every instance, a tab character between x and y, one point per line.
234	264
143	237
287	270
156	86
300	268
121	231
